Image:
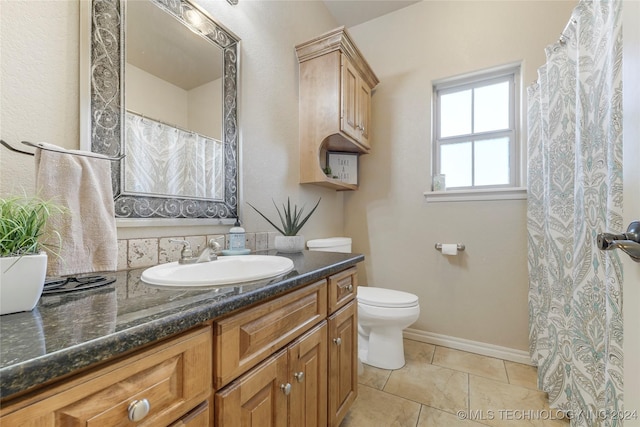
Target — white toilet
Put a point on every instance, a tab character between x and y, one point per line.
382	315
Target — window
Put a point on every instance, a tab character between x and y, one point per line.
475	130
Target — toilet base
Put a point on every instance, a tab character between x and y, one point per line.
383	348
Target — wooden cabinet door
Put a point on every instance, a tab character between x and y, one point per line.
364	112
198	417
343	362
349	99
355	96
308	377
258	398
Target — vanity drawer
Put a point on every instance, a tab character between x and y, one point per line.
201	416
244	339
342	288
173	377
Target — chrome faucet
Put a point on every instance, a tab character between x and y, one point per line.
187	256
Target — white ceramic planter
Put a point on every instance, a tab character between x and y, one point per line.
21	282
289	244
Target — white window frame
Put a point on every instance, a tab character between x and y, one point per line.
512	190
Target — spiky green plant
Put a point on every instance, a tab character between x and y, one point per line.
292	220
22	221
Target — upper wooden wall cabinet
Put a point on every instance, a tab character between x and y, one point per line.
335	103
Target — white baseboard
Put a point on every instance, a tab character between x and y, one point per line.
477	347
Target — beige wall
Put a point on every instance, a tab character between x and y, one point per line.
39	100
155	98
188	109
480	295
38	82
204	102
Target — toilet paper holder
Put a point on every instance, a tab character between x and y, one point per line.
461	246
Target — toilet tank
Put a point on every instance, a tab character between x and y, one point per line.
332	244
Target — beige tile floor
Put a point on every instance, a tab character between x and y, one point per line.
442	387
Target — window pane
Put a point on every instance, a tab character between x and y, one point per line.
455	114
491	162
455	164
491	107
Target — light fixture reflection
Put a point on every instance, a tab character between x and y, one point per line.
193	17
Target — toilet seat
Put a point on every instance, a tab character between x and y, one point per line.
389	298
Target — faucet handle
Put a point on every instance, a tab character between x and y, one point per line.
214	246
186	251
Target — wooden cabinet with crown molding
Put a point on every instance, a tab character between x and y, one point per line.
334	104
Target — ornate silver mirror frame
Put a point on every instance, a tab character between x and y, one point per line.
102	112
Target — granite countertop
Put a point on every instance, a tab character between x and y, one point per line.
68	332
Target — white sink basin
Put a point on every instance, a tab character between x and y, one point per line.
226	270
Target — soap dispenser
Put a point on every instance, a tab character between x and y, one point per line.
236	237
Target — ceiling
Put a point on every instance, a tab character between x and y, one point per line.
354	12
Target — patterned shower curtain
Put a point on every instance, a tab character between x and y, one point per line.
575	192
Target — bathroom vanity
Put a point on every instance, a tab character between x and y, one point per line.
276	352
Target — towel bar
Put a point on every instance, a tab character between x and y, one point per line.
31	144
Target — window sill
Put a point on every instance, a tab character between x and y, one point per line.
519	193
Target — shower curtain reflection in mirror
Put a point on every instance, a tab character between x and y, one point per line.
168	161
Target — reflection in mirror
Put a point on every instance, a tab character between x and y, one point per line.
178	130
173	97
172	73
168	161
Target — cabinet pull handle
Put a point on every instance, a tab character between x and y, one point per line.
286	388
299	376
138	409
338	341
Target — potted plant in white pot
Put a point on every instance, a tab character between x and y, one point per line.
292	221
23	262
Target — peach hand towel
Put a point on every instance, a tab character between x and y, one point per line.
82	185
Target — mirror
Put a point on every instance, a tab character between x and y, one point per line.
163	92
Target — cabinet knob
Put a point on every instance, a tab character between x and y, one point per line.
338	341
138	409
299	376
286	388
350	287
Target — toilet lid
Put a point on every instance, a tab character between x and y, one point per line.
381	297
